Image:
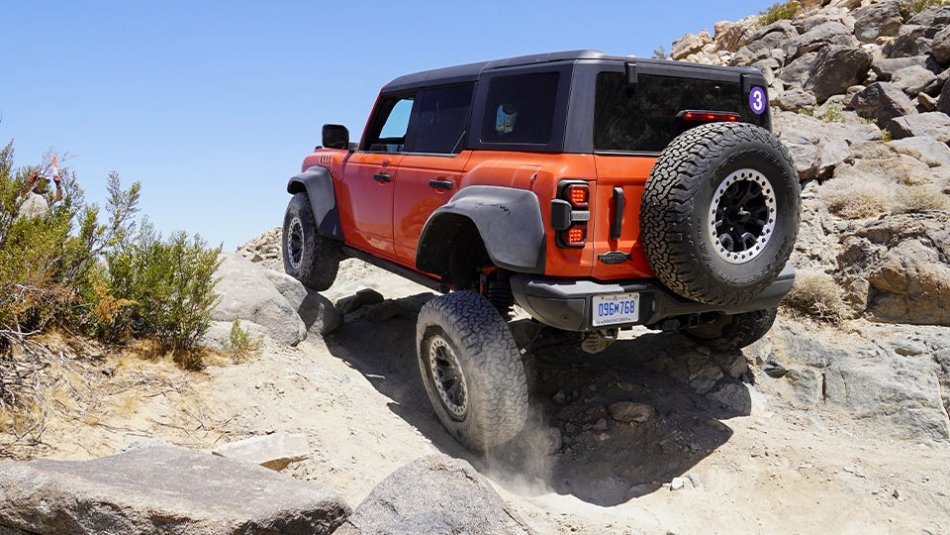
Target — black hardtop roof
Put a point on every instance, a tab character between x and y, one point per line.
470	72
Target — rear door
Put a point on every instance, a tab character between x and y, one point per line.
371	173
432	167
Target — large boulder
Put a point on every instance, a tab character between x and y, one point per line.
934	18
941	46
817	147
925	149
913	79
934	124
796	72
690	43
837	68
821	36
911	40
881	102
247	294
877	20
897	268
317	312
884	68
162	489
885	377
943	102
435	494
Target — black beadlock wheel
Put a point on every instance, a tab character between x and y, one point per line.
730	332
309	257
720	213
472	370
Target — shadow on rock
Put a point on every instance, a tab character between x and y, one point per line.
605	428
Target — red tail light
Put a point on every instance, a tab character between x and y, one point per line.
578	195
576	236
709	116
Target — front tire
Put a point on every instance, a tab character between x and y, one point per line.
732	332
472	370
309	257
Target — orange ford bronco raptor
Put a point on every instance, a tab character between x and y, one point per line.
596	192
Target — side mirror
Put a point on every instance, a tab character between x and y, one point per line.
336	136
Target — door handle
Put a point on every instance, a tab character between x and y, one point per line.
441	183
382	178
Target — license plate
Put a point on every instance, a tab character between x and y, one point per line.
615	308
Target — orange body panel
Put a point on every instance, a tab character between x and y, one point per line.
386	219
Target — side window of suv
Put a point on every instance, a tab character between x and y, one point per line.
442	119
520	109
387	131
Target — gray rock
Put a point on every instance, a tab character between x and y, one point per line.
352	303
881	102
829	33
274	451
941	46
796	72
913	79
161	490
629	411
926	102
933	18
794	99
219	333
734	396
911	40
817	147
926	149
933	124
383	311
316	311
247	294
690	44
897	268
943	102
885	68
877	20
837	68
435	494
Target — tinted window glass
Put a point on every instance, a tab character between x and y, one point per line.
520	109
643	117
442	119
387	132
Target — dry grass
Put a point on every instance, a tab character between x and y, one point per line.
921	199
816	294
853	200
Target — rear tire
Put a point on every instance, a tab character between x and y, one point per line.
309	257
472	370
731	332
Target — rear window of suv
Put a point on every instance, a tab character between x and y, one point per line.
643	117
520	109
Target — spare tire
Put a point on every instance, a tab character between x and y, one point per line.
720	213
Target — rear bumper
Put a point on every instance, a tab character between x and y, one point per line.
566	304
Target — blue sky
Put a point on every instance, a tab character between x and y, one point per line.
213	105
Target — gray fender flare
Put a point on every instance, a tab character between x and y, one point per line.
508	220
318	184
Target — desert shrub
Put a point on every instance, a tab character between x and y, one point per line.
816	294
886	136
857	200
241	345
660	53
921	198
916	6
107	279
780	11
171	283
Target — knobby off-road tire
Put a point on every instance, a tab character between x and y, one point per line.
720	213
735	331
309	257
472	370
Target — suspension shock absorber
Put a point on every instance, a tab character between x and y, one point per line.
494	285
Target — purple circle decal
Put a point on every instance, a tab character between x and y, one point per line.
758	101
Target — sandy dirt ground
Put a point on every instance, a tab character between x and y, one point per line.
359	398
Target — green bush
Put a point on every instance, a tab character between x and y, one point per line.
777	12
916	6
110	280
241	345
